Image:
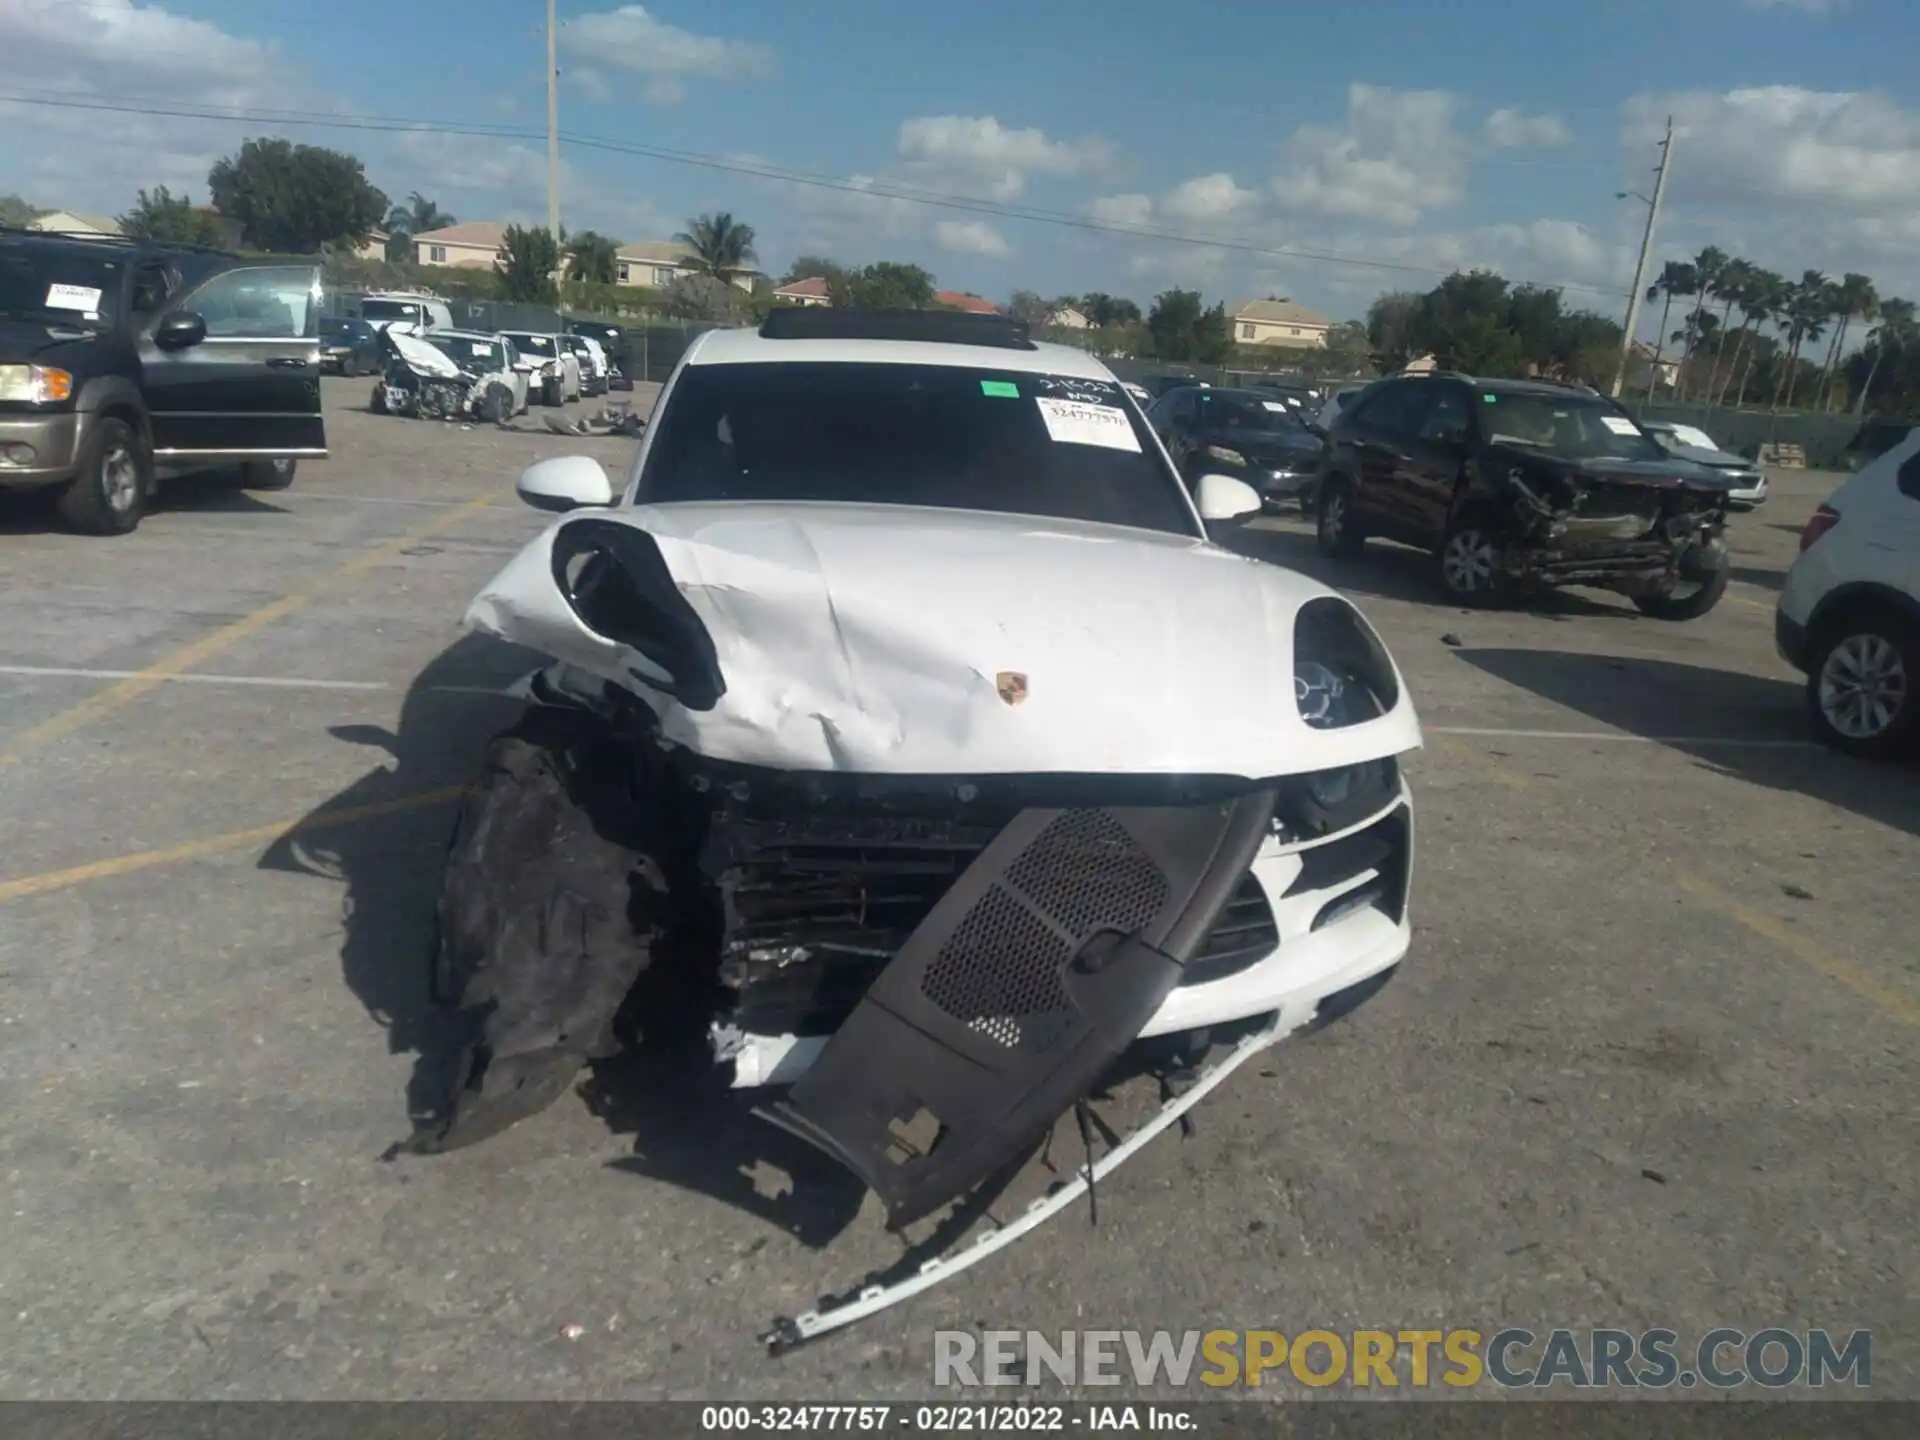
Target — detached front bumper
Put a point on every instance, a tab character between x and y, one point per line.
37	450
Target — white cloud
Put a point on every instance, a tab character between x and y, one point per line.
633	40
1399	156
1512	130
1133	210
977	149
970	237
57	155
1209	199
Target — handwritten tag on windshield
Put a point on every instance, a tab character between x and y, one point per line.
1075	422
1619	424
72	297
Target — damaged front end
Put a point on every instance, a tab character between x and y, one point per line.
936	961
1616	527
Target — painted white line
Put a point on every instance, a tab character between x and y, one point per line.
272	682
1621	737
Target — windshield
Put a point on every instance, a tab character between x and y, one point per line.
392	310
1578	428
469	353
335	328
533	344
946	436
1241	410
58	287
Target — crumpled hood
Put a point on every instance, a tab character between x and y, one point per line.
1666	472
896	640
23	341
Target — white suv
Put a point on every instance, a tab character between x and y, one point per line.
1849	613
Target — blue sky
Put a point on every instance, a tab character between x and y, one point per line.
1389	140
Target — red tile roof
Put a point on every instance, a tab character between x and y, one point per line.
814	287
972	304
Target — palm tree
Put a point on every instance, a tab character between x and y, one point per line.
1763	303
721	244
416	217
1896	331
1677	278
1854	296
592	258
1808	311
1728	288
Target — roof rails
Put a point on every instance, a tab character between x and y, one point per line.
96	237
940	327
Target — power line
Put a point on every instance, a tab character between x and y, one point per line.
904	194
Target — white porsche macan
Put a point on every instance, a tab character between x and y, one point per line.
904	717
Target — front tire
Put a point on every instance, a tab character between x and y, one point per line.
266	474
1469	562
108	494
545	924
1688	602
1861	683
1336	533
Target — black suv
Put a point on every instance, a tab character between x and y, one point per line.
1523	482
1248	434
124	362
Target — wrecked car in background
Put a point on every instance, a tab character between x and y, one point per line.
905	716
1517	483
449	375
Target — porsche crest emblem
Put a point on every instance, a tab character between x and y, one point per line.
1012	685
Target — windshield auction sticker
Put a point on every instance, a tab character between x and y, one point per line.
72	297
1074	422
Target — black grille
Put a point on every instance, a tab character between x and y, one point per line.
1087	873
1000	972
1244	935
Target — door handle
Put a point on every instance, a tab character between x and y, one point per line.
286	362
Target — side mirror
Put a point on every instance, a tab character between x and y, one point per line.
1223	498
181	330
568	482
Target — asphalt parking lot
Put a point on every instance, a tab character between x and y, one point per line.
1652	1060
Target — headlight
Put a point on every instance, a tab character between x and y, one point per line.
1221	452
1341	673
35	384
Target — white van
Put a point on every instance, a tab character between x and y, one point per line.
423	312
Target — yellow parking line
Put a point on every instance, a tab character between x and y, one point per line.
104	702
220	844
1896	1001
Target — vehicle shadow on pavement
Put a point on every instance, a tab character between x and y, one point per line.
1668	701
689	1128
33	513
391	863
1398	572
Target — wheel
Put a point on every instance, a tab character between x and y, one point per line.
496	405
109	491
545	923
550	393
1337	535
377	405
1860	683
1688	600
1469	562
266	474
350	365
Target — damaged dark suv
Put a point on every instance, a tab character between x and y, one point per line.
907	721
1516	483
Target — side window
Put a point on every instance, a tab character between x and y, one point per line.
1396	411
153	283
1447	419
268	302
1186	406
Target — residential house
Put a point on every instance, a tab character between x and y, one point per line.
1275	321
1643	370
656	266
374	247
472	245
72	222
811	291
967	301
1068	318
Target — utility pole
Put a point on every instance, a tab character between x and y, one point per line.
553	124
1646	249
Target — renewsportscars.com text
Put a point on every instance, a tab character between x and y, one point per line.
1721	1359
